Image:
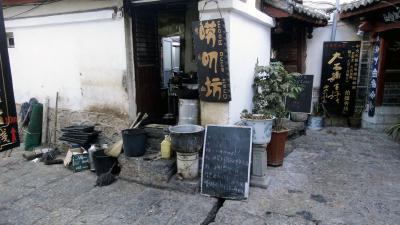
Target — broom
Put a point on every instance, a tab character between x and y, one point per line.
116	148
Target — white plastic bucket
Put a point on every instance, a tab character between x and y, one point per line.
316	123
188	165
188	111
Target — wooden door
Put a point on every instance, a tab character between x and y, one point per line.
146	59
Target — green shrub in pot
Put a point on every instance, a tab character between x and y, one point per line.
272	85
278	85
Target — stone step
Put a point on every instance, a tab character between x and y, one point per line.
388	110
382	119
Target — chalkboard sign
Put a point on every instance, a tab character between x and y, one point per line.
9	137
226	162
80	162
339	76
303	101
210	47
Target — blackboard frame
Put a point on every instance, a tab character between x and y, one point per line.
309	103
247	186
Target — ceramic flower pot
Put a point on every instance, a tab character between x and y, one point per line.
276	148
298	116
261	130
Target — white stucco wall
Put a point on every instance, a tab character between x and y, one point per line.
345	32
248	42
60	7
248	38
80	55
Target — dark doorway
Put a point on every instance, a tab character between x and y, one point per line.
161	34
391	76
146	59
289	44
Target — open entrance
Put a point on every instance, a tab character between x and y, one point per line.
390	84
163	56
289	44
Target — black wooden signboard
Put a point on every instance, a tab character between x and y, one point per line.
9	137
303	101
226	162
392	15
339	76
210	47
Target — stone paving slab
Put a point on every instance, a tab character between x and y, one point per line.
335	176
32	193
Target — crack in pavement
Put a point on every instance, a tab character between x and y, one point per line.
306	215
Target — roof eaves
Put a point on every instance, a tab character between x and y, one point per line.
293	7
352	6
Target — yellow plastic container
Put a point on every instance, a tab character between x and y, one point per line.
166	152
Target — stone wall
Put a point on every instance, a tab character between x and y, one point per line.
110	123
385	117
391	96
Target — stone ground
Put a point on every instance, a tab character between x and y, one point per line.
335	176
32	193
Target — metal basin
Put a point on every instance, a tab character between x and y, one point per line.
187	138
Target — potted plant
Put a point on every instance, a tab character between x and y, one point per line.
354	121
316	119
260	119
278	85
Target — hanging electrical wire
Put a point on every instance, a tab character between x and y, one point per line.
35	6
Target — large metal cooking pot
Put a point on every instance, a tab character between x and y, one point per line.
187	138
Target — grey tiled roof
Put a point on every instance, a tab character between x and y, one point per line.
291	7
311	12
356	5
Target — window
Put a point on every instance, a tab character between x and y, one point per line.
10	40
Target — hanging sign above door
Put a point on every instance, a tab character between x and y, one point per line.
339	76
9	137
210	48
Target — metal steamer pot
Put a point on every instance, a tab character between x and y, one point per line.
187	138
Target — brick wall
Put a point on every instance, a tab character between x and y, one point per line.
391	96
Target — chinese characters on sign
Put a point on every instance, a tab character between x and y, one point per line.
392	16
9	137
339	76
373	81
209	38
